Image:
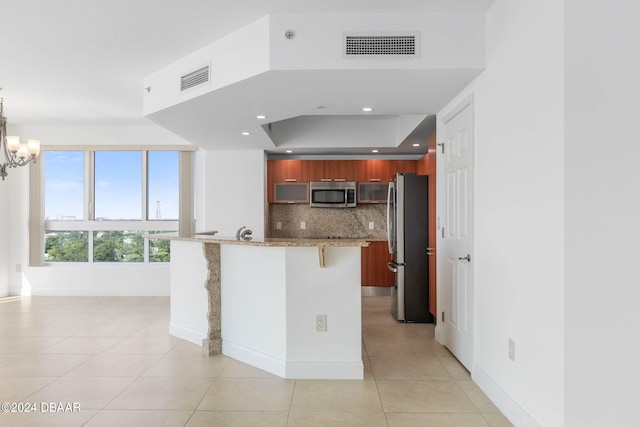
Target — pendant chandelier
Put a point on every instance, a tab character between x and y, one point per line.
15	154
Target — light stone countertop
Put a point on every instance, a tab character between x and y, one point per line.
267	241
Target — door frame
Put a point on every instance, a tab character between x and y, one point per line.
441	121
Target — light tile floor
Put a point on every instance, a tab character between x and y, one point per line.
114	357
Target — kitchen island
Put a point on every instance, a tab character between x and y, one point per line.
266	302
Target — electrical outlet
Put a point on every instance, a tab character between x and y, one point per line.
321	323
303	225
372	225
512	350
278	225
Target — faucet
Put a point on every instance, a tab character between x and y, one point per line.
243	234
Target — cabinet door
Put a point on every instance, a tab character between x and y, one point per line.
403	166
374	271
291	192
317	170
377	170
372	192
286	170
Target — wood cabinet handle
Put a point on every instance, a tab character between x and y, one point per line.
375	179
290	180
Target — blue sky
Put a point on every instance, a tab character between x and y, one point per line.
118	182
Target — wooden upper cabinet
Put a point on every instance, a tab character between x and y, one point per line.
287	170
284	171
281	171
403	166
290	192
319	170
383	170
375	171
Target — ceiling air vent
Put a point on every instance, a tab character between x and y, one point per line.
195	78
381	44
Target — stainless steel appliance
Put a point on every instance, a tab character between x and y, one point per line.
332	194
407	232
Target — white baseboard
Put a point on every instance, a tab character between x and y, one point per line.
503	401
187	334
294	370
251	357
92	292
439	334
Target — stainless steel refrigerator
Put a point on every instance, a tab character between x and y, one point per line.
407	232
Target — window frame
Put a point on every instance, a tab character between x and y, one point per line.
41	225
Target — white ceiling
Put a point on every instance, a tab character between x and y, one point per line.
82	62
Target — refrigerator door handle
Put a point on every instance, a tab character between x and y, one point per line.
392	266
389	207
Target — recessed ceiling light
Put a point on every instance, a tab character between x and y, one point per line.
367	109
416	145
289	151
374	151
246	133
261	117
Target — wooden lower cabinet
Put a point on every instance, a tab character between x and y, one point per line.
374	265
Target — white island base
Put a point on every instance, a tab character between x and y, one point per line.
269	298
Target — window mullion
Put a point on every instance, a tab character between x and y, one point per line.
89	179
90	198
145	201
145	189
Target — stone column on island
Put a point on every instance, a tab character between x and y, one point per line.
212	345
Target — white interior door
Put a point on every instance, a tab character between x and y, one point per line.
457	315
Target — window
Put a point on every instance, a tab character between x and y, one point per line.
99	204
163	189
64	190
118	185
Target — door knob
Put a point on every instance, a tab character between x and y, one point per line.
466	258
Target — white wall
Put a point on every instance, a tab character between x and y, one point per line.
4	238
602	202
80	279
230	191
235	57
189	297
518	216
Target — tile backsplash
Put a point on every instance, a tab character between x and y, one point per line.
321	223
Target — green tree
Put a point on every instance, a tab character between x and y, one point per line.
159	250
66	246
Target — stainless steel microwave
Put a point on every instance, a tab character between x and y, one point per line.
332	194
